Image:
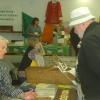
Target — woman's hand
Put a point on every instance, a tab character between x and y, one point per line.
30	95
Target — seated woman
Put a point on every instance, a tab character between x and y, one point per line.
7	91
30	57
34	29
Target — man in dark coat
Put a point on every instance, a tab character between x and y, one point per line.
88	68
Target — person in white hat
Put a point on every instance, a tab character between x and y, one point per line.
88	68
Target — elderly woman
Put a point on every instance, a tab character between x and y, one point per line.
6	89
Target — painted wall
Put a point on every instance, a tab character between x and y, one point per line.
10	14
37	8
69	5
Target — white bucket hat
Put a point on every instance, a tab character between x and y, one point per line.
80	15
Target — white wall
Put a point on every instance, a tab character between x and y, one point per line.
7	10
37	8
69	5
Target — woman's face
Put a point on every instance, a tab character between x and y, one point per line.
36	22
3	49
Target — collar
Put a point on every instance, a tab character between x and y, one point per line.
90	27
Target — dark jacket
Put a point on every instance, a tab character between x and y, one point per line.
89	62
74	39
26	61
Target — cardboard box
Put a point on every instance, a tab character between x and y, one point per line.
48	75
43	98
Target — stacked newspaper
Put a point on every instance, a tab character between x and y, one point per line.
46	90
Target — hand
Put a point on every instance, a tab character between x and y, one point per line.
32	34
30	95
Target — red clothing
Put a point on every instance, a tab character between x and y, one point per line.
47	35
53	13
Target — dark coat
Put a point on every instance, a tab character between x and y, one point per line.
89	62
26	61
74	39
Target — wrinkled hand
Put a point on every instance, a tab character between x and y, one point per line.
30	95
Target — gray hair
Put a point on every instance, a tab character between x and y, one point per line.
4	39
